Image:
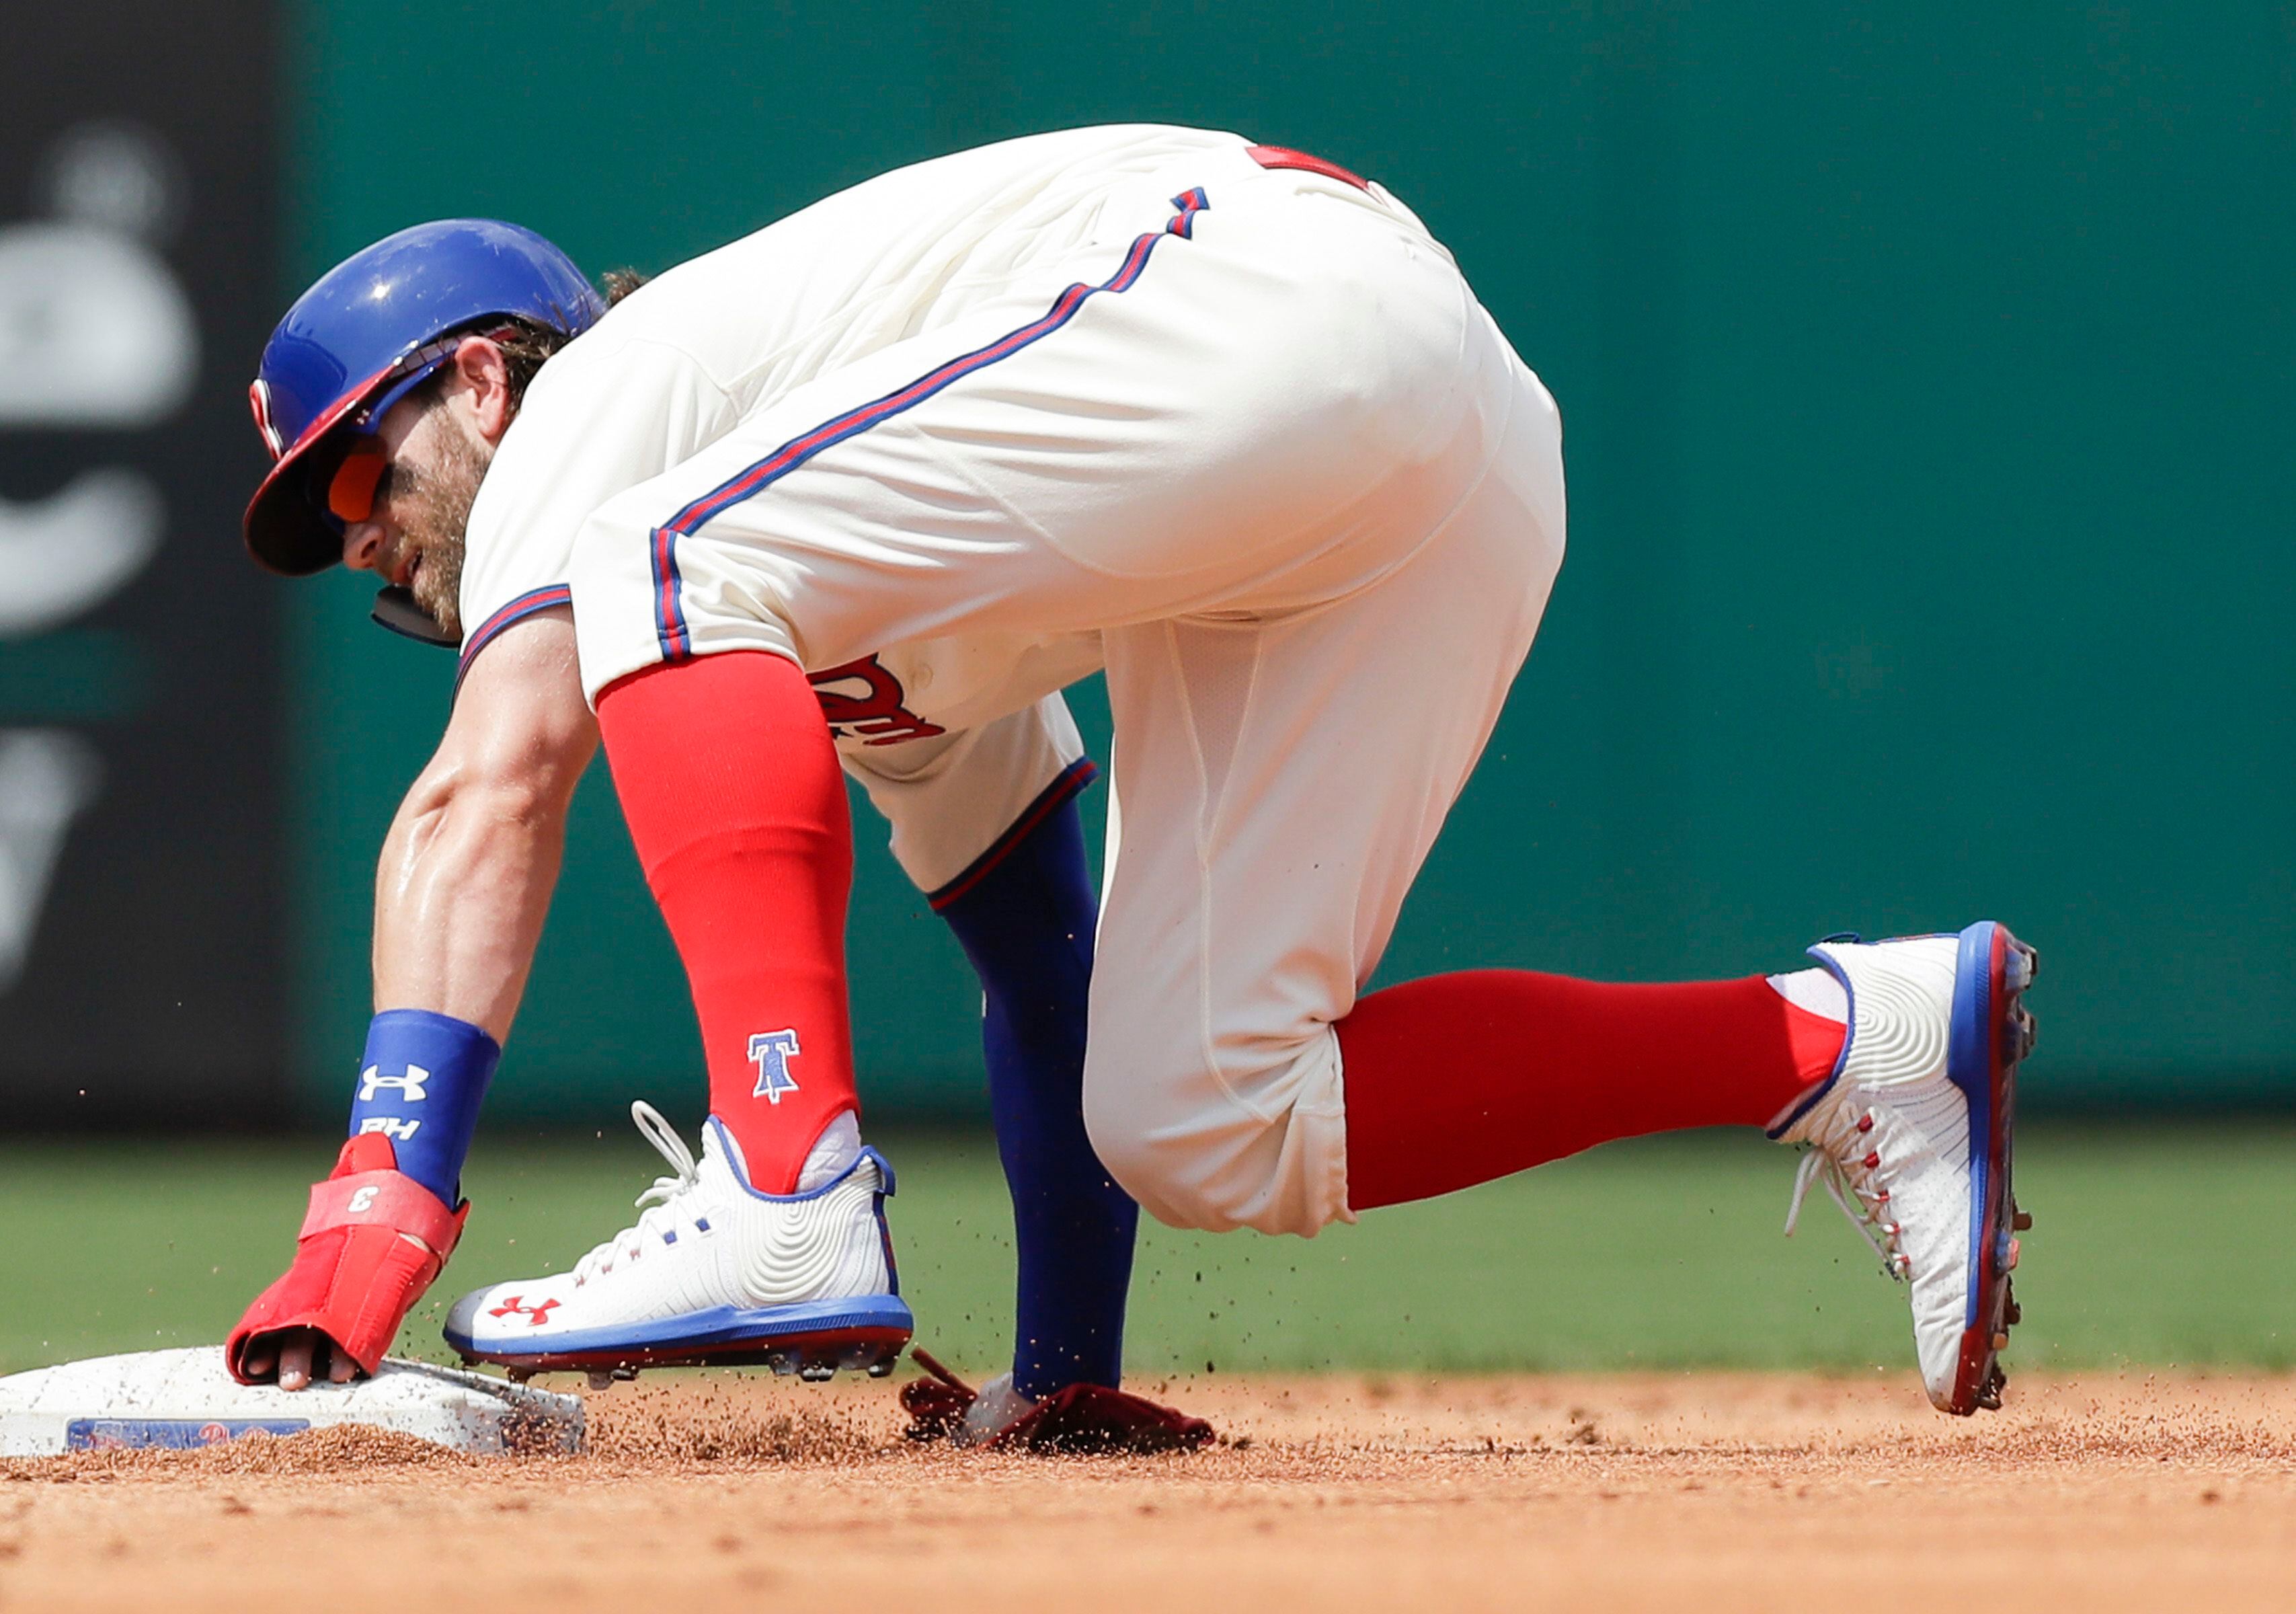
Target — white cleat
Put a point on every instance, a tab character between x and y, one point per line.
713	1272
1912	1137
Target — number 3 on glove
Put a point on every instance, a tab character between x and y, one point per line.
374	1239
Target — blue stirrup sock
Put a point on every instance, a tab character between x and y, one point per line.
1026	924
421	1084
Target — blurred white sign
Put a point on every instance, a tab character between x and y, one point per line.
66	553
93	329
47	777
95	333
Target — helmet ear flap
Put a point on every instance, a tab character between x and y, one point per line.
394	609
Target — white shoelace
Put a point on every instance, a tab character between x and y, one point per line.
1856	1204
660	1203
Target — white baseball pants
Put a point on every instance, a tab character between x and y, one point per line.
1289	469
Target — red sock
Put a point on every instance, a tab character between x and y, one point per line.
1457	1079
732	791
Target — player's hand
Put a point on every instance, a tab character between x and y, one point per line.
297	1357
373	1242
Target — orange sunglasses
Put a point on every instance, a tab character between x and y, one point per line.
350	492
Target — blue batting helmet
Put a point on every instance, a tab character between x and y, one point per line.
372	329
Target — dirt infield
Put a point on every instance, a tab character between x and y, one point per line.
1740	1491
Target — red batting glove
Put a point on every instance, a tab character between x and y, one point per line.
373	1242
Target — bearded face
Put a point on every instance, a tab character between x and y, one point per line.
404	491
427	494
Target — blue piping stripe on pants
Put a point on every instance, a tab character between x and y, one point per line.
670	626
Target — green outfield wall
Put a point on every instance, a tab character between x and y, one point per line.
1926	378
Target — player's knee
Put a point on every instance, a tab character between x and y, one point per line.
1122	1153
1181	1142
1153	1164
1165	1175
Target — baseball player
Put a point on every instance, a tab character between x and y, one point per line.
869	488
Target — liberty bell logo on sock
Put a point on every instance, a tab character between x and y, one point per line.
771	1053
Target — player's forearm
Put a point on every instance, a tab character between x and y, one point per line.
459	902
464	887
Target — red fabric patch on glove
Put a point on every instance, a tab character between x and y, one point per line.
1080	1419
373	1242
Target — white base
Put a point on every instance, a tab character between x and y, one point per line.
186	1398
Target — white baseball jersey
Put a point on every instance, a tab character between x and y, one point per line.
1130	397
723	340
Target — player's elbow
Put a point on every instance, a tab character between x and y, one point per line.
453	812
524	805
523	778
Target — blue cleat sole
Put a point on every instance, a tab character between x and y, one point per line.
812	1339
1992	1033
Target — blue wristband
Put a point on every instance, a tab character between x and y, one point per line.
421	1084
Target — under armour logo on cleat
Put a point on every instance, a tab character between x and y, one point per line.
512	1308
771	1051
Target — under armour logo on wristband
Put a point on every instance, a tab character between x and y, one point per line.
771	1051
409	1086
